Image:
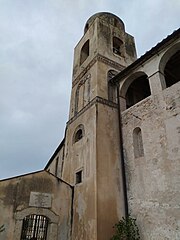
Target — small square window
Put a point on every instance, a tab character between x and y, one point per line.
79	177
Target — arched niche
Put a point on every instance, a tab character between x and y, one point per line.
138	143
82	94
79	98
112	89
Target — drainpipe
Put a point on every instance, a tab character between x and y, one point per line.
122	156
72	211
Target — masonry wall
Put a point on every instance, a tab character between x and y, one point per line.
153	178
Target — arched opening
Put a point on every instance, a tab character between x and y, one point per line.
117	46
86	28
138	90
112	90
84	52
138	143
34	227
78	134
172	70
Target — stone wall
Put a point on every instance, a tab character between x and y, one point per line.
153	179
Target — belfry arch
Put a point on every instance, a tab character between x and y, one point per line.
84	52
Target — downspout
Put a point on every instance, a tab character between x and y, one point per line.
122	156
72	211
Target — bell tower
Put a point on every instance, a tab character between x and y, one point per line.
92	154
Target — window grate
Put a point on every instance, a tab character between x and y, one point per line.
34	227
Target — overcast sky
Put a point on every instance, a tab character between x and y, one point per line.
37	38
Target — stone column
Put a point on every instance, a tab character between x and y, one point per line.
157	84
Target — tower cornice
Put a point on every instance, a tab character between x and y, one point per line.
99	58
90	104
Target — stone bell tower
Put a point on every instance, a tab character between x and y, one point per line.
92	153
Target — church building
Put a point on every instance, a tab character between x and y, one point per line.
121	151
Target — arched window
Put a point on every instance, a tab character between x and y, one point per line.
34	227
138	90
117	46
86	28
84	52
112	90
138	143
78	134
172	70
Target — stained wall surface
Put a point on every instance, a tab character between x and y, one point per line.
37	193
153	177
96	154
55	164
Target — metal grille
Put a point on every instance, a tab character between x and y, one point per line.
34	227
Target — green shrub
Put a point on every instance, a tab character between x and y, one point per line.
126	229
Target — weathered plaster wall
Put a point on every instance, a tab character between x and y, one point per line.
97	153
153	180
15	204
56	165
110	202
80	156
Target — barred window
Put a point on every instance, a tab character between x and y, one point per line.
34	227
